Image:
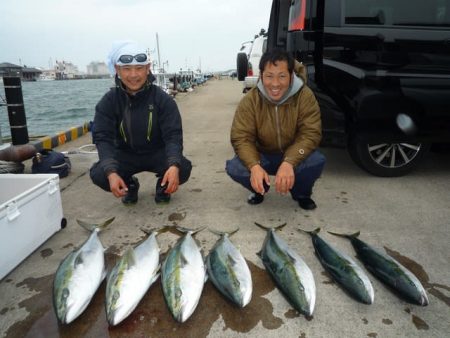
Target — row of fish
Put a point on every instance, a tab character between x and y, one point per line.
184	272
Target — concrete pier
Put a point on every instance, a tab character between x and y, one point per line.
407	216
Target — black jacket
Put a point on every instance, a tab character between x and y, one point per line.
138	123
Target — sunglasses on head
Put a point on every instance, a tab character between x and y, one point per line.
129	58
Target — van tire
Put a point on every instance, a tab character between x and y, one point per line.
242	66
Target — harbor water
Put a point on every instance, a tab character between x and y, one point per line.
54	106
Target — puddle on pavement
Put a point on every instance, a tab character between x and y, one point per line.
365	321
372	334
176	216
418	270
3	311
419	323
46	253
387	321
151	315
291	313
327	275
195	190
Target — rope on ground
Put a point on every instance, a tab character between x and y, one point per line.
85	149
8	167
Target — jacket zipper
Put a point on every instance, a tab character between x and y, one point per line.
127	116
122	132
277	120
150	122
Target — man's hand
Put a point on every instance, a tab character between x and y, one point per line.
172	178
257	178
117	185
284	180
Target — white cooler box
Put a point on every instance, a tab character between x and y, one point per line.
30	212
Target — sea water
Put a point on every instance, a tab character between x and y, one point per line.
55	106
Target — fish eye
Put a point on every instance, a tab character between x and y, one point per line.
116	296
65	293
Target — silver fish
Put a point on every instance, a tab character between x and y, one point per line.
343	269
79	275
130	279
388	270
290	273
229	271
183	274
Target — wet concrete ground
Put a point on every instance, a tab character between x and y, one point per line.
408	217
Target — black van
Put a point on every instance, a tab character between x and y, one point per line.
380	70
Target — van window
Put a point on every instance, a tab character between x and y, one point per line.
398	12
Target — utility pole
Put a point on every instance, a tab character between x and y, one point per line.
159	56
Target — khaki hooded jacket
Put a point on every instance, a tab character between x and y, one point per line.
291	126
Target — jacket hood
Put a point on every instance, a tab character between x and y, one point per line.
297	81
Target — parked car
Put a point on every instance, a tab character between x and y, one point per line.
380	71
248	65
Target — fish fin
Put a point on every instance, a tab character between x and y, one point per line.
187	230
130	257
221	233
311	232
155	278
292	258
231	259
159	230
95	226
349	236
79	260
279	227
184	261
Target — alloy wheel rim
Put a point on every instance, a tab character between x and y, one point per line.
393	155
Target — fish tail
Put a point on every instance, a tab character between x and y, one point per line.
95	226
223	233
279	227
349	236
159	230
186	230
311	232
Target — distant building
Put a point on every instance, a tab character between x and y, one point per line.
65	70
97	69
47	74
26	73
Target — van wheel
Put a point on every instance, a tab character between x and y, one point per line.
242	66
387	159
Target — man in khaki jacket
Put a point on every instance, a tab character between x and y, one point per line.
276	131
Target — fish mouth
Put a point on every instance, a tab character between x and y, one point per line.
424	300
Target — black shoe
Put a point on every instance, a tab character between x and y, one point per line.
160	196
255	198
132	196
306	203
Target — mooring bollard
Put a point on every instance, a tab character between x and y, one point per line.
16	109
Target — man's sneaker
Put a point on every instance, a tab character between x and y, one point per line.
132	196
306	203
160	196
255	198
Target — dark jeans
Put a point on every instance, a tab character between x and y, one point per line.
306	173
132	163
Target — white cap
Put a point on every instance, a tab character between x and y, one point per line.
120	48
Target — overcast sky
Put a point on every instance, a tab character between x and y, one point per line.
35	32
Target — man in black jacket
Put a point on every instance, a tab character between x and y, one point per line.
137	127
